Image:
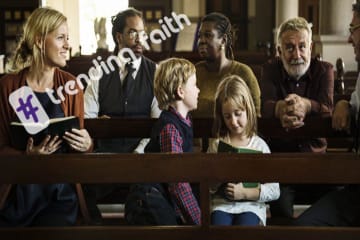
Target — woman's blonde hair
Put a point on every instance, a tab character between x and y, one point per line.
234	89
169	76
40	23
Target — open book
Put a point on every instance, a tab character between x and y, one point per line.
225	147
56	126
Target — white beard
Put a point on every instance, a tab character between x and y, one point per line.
296	70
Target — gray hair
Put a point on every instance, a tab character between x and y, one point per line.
294	24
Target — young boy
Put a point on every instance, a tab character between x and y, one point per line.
177	94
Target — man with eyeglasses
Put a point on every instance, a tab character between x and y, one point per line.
294	86
341	207
125	92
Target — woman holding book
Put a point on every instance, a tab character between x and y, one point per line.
235	126
41	51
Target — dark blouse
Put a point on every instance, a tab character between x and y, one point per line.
41	205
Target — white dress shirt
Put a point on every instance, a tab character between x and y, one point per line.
91	100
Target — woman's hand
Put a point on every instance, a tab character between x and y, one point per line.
78	140
47	146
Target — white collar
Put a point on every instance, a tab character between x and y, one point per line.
135	64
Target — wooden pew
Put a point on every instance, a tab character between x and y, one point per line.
197	167
137	127
82	64
314	127
254	59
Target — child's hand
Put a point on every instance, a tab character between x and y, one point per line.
235	191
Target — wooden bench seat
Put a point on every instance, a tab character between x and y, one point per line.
202	168
305	168
129	127
338	141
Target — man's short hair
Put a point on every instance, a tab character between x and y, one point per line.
119	23
356	7
294	24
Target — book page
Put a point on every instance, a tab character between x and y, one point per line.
53	120
226	147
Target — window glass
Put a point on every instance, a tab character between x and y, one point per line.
89	10
95	9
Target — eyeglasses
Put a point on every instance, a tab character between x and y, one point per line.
353	28
135	34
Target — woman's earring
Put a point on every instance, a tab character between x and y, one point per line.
222	47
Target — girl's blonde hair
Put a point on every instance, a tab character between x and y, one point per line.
234	89
40	23
169	75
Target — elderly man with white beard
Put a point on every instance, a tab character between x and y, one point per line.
294	86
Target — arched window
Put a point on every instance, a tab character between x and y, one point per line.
81	16
90	10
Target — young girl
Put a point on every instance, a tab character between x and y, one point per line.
236	124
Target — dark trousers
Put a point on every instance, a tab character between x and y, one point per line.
297	193
337	208
291	193
229	219
109	193
112	192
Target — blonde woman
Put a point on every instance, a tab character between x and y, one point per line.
41	51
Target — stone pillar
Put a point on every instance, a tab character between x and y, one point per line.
192	8
332	44
285	9
335	17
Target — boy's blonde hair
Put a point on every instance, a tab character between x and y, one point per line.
169	76
40	23
234	89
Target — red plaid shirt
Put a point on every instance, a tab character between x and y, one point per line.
186	204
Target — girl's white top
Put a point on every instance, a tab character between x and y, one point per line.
268	191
